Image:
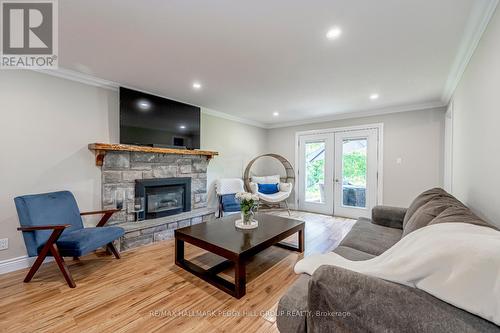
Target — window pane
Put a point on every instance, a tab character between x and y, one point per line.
354	172
315	172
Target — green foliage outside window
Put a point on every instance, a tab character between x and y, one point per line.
315	172
354	168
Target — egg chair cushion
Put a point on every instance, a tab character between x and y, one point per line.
268	188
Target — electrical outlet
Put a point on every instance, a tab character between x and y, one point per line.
4	244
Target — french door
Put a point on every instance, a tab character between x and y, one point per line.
355	184
338	172
316	173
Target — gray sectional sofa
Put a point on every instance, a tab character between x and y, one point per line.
334	299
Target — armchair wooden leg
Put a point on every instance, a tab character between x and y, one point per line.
51	246
62	266
39	260
111	247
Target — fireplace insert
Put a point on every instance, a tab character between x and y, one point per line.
163	196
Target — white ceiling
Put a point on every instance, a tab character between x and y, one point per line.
256	57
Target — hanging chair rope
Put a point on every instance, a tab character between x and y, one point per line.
290	173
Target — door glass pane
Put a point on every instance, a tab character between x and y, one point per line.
315	172
354	172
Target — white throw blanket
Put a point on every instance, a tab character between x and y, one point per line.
458	263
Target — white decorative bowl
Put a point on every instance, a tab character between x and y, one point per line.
239	224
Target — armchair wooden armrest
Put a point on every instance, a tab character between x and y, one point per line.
107	215
45	227
112	211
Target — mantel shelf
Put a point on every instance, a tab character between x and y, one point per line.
101	149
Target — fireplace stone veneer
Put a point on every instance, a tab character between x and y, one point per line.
120	170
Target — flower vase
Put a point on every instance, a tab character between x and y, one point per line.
248	203
247	217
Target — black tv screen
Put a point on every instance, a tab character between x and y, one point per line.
154	121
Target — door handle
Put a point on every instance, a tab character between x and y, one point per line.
337	180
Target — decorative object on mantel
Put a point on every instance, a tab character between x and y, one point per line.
139	207
119	199
248	203
285	184
102	148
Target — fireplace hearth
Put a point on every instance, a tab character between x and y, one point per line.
163	196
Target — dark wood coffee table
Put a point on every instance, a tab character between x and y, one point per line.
236	245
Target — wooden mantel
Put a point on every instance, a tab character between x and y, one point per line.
102	148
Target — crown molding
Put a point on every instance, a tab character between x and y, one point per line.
478	22
80	77
362	114
106	84
224	115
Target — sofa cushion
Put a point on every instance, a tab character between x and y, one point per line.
428	212
292	307
377	305
371	238
460	214
388	216
422	199
352	254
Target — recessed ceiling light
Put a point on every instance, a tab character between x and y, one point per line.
182	127
374	96
334	33
276	113
197	85
144	104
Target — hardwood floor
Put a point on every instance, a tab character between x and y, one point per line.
145	292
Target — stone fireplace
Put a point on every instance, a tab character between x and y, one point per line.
174	187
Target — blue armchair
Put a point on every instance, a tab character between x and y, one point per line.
52	226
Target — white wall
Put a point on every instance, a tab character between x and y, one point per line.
476	135
417	137
47	123
236	143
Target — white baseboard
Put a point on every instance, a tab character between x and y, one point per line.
18	263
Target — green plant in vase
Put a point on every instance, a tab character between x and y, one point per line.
248	204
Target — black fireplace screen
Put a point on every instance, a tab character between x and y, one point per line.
161	199
165	196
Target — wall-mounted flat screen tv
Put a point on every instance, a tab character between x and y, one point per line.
149	120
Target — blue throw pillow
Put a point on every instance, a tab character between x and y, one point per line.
229	203
268	188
